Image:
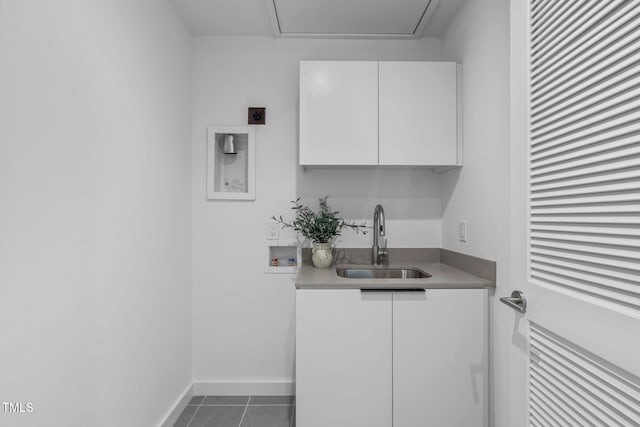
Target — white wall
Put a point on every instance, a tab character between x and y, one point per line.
95	295
243	319
479	193
412	201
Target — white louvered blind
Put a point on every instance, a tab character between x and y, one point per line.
585	148
570	387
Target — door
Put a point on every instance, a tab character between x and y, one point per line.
338	113
343	358
440	358
418	113
575	205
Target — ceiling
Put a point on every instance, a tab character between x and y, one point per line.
319	18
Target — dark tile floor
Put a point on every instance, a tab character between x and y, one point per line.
238	411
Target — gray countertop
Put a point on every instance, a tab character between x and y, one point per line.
448	269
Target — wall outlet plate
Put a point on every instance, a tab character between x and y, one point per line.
257	116
273	231
462	231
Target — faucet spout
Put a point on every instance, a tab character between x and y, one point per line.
379	230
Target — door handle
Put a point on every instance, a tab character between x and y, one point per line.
516	301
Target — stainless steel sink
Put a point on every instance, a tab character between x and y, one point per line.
381	273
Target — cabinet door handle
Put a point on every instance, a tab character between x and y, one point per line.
392	290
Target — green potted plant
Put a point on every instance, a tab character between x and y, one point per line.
320	227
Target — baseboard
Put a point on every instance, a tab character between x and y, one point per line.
239	388
173	415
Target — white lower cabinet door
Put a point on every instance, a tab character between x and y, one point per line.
440	358
343	358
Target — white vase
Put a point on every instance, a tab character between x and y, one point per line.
321	255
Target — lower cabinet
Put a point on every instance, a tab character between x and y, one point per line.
440	353
343	358
392	358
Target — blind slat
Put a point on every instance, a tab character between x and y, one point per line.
580	191
589	258
578	175
613	176
597	271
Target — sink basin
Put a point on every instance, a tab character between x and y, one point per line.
381	273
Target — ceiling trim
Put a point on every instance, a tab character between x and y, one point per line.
426	15
273	17
417	32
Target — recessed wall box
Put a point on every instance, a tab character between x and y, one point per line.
282	256
231	163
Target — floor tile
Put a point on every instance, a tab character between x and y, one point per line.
267	416
225	400
217	416
186	416
271	400
196	400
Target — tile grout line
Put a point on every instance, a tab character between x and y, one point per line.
195	412
245	411
225	404
263	404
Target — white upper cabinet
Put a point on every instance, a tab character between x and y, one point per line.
379	113
338	113
418	113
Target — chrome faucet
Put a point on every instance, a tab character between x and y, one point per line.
378	230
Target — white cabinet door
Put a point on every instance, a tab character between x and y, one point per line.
338	113
418	113
343	358
440	358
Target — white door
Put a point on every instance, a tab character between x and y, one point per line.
440	358
575	356
343	358
338	113
418	113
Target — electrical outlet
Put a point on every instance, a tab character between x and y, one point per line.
462	231
273	231
257	115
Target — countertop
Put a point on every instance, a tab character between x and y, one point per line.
449	270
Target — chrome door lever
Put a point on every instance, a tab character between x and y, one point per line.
516	301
